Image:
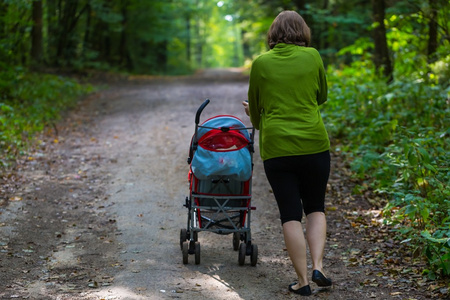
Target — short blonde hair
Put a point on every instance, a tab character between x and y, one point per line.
290	28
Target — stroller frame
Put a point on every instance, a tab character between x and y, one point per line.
217	212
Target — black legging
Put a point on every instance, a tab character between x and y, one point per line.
299	183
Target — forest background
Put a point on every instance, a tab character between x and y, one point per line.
388	68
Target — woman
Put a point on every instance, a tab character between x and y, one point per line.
287	84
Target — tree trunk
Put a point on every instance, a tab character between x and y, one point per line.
316	29
87	30
318	39
99	42
301	9
245	46
300	4
36	33
67	23
3	11
161	56
68	15
52	31
381	56
188	39
123	49
199	45
432	31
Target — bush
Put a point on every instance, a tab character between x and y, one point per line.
30	102
395	137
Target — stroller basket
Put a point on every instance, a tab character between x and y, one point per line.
222	215
220	174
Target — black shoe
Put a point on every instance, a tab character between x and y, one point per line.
320	279
304	291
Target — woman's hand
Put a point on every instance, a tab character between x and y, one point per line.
245	103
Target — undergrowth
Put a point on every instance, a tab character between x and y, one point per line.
29	102
396	138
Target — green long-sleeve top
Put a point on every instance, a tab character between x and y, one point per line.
287	84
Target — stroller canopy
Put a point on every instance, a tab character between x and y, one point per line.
222	150
224	121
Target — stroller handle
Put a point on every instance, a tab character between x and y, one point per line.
199	111
194	142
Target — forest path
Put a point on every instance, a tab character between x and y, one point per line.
99	209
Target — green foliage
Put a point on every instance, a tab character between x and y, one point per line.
396	137
36	101
437	251
15	26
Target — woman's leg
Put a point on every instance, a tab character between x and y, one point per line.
313	189
284	183
316	230
296	247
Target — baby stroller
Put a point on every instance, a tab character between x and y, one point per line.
220	174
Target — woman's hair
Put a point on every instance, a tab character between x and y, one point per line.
290	28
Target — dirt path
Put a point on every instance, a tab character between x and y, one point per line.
95	213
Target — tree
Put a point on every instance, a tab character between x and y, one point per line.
124	53
158	36
3	12
432	30
381	55
36	33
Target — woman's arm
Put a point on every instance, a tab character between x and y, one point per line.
253	96
322	93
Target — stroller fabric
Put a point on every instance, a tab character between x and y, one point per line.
222	150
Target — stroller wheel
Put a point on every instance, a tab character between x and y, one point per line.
185	252
197	253
254	255
242	253
183	237
236	240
